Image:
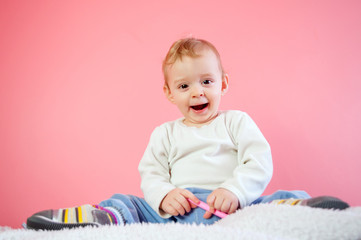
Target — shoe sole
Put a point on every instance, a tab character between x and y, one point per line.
42	223
327	202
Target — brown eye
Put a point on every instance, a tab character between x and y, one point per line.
207	82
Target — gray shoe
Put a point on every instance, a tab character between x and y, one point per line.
82	216
326	202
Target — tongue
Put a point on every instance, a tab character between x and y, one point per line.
199	107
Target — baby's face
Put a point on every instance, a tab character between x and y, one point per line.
195	86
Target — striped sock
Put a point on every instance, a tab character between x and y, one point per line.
317	202
115	213
290	201
85	215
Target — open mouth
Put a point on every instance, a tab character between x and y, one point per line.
199	107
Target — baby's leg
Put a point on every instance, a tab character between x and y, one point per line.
327	202
133	209
119	209
281	194
303	199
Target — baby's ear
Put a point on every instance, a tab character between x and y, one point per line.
168	93
224	84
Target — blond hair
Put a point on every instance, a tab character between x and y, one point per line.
190	47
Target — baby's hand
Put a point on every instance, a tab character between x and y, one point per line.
175	202
222	200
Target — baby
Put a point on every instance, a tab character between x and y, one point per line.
218	157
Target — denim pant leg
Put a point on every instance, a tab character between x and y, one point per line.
136	210
281	194
133	209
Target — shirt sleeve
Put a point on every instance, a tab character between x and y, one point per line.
254	169
154	170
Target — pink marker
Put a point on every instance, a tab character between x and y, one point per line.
205	206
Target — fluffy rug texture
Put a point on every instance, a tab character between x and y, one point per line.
262	221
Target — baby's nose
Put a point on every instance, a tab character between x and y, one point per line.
197	92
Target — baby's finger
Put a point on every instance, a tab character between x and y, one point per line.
226	205
207	215
179	208
210	200
191	196
233	208
184	203
193	205
188	195
170	210
218	202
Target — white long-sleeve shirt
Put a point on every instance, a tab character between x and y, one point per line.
229	153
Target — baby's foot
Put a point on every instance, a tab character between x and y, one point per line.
85	215
317	202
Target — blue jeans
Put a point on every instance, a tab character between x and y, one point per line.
136	210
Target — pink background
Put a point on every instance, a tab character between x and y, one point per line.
81	91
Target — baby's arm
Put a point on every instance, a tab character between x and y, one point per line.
175	202
222	200
254	170
154	170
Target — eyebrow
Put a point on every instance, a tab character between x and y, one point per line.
181	79
207	75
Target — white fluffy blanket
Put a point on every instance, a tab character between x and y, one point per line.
262	221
